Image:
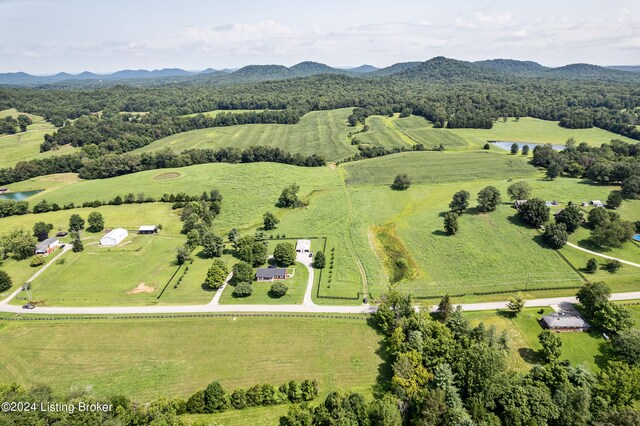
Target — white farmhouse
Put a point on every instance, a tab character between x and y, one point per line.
114	237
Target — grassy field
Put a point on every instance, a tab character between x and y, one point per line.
318	132
588	349
540	131
25	146
437	167
150	358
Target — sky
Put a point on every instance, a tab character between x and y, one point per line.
47	36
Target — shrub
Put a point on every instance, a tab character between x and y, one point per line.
319	260
242	290
278	289
37	261
613	265
592	265
216	399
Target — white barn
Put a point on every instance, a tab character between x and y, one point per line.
114	237
303	246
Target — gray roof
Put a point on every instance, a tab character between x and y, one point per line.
564	321
44	244
271	272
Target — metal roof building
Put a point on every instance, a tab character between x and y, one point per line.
114	237
560	322
303	246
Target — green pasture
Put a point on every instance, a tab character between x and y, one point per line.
318	132
534	130
24	146
437	167
151	358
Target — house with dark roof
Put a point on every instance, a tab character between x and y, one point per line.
271	274
564	322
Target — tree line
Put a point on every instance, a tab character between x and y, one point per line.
112	165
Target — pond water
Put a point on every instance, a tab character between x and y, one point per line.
507	145
18	196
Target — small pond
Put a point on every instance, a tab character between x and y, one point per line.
18	196
507	145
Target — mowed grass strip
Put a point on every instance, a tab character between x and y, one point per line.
319	132
437	167
151	358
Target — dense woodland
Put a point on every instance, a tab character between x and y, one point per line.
449	93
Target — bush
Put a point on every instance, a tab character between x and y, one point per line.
613	265
216	399
487	146
592	265
195	403
242	290
38	260
278	290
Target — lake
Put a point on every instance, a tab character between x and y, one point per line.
18	196
507	145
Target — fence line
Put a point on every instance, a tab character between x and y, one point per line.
186	315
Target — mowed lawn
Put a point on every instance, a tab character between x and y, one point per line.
588	349
24	146
297	286
151	358
437	167
101	276
318	132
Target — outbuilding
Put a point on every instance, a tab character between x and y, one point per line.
303	246
270	274
47	246
564	322
114	237
596	203
148	229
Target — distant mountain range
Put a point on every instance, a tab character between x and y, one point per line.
435	69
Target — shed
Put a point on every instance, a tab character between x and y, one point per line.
47	246
596	203
564	322
270	274
114	237
148	229
303	246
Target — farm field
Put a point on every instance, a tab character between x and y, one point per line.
150	358
24	146
318	132
437	167
529	129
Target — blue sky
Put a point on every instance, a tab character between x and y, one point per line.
46	36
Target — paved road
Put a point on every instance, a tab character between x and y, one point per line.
363	309
595	253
